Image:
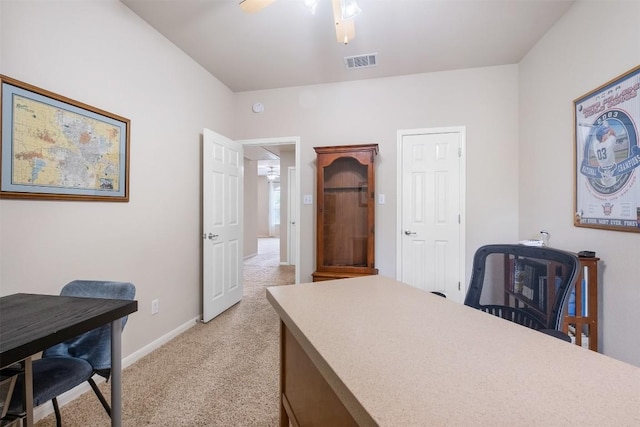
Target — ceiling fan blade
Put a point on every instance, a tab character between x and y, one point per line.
345	29
252	6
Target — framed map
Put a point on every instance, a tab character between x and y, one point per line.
56	148
607	155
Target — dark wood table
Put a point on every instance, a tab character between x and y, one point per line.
30	323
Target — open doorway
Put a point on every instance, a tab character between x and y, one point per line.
270	223
268	199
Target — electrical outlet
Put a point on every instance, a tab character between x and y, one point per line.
155	306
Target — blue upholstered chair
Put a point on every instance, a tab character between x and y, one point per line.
71	363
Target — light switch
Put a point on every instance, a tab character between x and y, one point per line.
307	199
381	199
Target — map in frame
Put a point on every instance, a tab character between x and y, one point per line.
54	147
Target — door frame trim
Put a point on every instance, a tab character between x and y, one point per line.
291	170
291	140
462	131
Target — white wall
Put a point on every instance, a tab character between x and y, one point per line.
250	214
571	60
102	54
484	100
261	205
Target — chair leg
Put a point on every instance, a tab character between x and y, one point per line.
96	390
56	409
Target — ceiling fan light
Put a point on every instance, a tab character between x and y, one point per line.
312	5
350	9
271	175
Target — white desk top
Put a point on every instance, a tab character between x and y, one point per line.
399	356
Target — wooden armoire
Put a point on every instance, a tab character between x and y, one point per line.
345	220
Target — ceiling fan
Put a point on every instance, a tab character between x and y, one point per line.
343	13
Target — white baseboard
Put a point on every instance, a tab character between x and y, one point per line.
137	355
44	410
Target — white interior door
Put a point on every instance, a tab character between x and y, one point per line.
431	191
222	183
293	216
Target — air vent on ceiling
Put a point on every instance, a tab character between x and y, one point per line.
361	61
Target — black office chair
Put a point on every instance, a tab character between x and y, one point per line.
71	363
527	285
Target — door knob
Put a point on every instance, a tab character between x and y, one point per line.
213	236
409	232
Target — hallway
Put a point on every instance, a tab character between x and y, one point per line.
265	266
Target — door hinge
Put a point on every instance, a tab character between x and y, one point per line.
458	285
459	151
459	219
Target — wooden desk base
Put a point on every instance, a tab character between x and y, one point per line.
306	397
320	276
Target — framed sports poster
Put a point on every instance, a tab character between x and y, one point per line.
607	155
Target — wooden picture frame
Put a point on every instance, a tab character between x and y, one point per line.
607	155
52	147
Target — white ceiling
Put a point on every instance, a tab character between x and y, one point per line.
285	45
266	156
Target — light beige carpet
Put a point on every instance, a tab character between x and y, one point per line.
222	373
